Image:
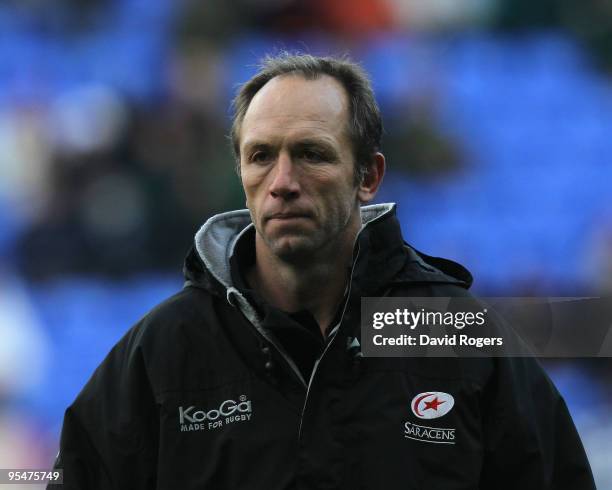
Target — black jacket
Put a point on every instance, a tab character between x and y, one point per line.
200	395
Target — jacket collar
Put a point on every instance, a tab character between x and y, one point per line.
382	256
217	238
385	260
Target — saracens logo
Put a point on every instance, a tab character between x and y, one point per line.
432	404
228	412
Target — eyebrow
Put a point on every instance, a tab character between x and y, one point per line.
312	142
256	145
322	144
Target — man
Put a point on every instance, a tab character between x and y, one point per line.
252	378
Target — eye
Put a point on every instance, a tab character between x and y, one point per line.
312	156
260	157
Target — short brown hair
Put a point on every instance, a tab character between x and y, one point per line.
365	122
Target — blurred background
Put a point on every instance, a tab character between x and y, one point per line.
113	151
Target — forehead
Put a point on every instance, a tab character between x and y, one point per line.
292	105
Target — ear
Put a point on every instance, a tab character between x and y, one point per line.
368	187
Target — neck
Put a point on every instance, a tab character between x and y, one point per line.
317	286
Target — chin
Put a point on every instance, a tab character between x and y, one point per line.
294	250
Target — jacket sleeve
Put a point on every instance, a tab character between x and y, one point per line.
110	433
530	439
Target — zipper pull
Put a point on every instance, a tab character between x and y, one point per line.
353	347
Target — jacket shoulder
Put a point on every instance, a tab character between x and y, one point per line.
188	307
181	306
446	277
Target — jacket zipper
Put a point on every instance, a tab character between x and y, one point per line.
333	335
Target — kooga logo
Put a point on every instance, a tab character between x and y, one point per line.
228	412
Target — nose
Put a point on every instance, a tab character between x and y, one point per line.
285	184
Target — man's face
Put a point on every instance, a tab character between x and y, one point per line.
297	166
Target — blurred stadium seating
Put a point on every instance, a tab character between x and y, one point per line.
523	198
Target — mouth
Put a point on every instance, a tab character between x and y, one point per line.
287	216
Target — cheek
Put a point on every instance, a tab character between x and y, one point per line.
251	188
340	203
